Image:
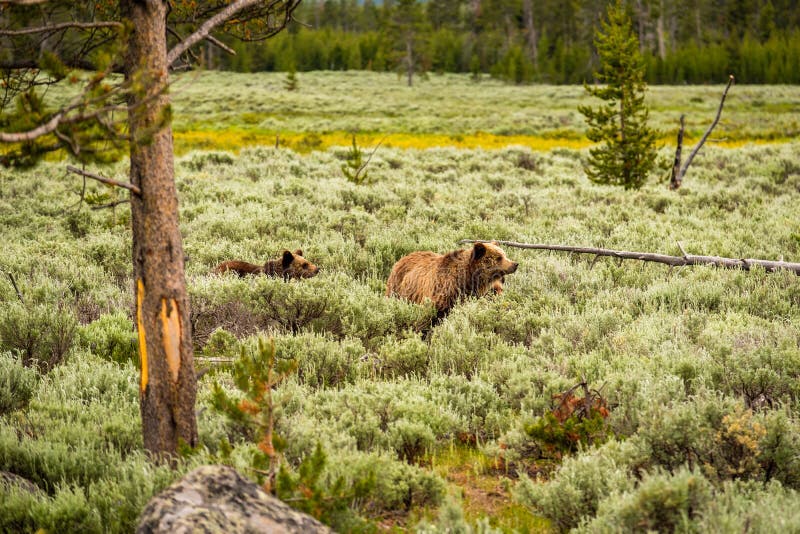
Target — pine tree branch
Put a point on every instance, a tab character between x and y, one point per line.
63	26
43	129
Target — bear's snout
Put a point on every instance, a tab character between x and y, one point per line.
513	268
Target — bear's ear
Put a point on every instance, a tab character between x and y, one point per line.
298	252
288	258
478	251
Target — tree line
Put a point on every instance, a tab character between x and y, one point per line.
523	41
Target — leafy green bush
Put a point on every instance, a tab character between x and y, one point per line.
42	334
200	161
402	358
398	485
753	506
221	344
111	337
326	500
660	503
322	361
722	439
67	511
17	384
411	439
583	481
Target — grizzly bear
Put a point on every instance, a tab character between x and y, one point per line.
289	265
446	278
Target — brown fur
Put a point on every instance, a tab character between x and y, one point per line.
446	278
289	265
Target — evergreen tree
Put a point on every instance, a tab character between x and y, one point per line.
627	153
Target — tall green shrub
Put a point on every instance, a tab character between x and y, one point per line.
627	151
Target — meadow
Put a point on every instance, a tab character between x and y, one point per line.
697	369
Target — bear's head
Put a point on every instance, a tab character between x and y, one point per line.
296	266
489	263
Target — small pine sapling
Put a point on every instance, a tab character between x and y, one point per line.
575	420
354	167
255	374
291	83
307	491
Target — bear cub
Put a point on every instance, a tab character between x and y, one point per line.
289	265
447	278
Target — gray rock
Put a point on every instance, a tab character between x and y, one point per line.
215	498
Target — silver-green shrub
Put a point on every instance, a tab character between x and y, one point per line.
111	337
660	503
17	383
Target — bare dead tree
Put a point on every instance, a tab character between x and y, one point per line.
673	261
42	42
679	172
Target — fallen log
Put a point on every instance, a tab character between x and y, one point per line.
673	261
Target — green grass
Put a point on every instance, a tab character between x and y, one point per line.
699	365
451	104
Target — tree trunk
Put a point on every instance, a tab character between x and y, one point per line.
662	45
641	16
677	177
168	383
530	30
410	59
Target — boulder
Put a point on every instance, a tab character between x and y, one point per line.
215	498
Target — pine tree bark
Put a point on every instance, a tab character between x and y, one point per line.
168	383
531	36
410	58
662	45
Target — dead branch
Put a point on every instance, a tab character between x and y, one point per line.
63	26
125	185
219	44
364	165
209	359
673	261
16	289
581	407
676	180
210	38
79	203
110	204
22	2
205	29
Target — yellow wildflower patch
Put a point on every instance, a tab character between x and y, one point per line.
234	140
